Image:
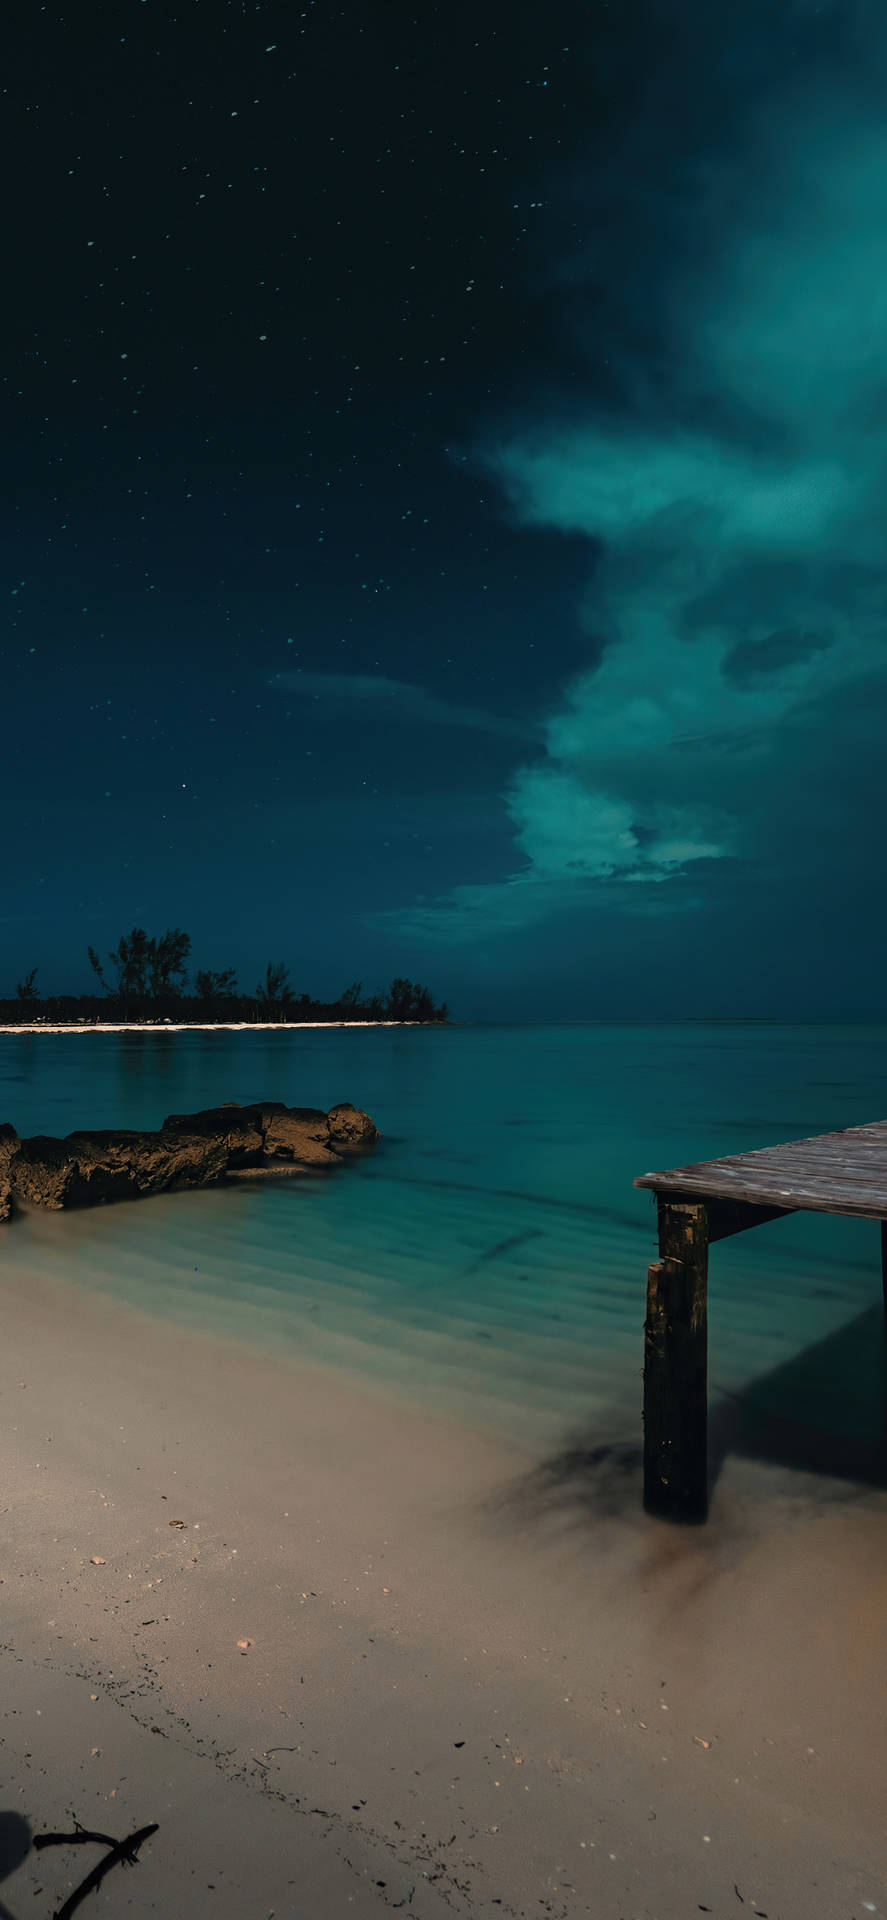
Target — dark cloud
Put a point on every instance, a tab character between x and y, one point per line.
751	661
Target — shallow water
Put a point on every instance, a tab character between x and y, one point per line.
489	1258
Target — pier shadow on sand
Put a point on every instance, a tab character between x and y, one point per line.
822	1415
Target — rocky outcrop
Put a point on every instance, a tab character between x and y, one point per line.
190	1150
9	1144
267	1132
237	1130
349	1127
88	1167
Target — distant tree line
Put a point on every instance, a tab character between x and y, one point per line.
145	977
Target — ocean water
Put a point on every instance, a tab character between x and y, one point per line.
489	1259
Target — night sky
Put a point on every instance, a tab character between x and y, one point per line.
444	457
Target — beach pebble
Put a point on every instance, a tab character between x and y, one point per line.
244	1644
96	1560
176	1523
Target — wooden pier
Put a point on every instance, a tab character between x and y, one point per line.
842	1172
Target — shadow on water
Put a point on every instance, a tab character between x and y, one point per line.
822	1414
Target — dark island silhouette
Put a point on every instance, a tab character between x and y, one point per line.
145	979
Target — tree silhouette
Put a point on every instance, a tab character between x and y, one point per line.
167	959
148	967
274	990
408	1001
215	986
97	968
400	1000
131	960
26	989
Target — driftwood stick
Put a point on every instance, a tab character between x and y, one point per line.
74	1839
123	1853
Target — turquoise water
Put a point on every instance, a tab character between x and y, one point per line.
489	1259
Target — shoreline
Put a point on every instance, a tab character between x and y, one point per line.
461	1687
204	1026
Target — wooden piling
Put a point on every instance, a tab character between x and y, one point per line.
676	1366
843	1172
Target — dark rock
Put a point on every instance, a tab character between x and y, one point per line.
349	1127
299	1133
240	1128
191	1150
88	1167
9	1145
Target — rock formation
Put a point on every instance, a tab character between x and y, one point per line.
190	1150
9	1144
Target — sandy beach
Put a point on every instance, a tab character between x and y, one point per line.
350	1657
192	1026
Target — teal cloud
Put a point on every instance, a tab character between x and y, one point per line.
737	598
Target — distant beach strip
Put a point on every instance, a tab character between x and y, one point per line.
197	1026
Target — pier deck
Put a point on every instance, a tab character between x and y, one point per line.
844	1172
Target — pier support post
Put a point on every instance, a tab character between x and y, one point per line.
884	1268
676	1366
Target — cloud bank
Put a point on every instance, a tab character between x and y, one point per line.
730	719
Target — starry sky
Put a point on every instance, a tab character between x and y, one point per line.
444	458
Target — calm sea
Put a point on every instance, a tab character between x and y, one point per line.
489	1259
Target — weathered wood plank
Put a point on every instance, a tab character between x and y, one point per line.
787	1200
844	1172
676	1367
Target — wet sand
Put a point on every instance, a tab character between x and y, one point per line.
472	1682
